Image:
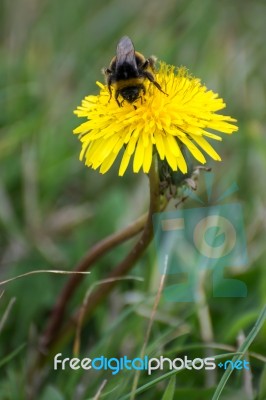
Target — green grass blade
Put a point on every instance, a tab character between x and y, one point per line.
170	390
243	348
12	355
148	385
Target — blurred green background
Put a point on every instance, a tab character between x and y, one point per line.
53	208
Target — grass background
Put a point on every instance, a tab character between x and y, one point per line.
52	208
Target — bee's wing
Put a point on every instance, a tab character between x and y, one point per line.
125	52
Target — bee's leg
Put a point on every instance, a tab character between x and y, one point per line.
116	98
107	72
144	89
146	64
144	92
109	82
110	91
150	62
149	76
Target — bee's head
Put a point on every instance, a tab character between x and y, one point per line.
130	93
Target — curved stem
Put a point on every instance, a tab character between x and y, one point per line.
125	265
86	263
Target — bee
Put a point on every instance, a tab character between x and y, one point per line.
128	71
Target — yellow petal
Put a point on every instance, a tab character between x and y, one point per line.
139	155
159	144
124	163
207	147
107	163
147	158
193	149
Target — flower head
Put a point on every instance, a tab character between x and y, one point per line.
156	122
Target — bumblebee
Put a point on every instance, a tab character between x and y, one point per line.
128	71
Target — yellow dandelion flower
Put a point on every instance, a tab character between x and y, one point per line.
156	122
